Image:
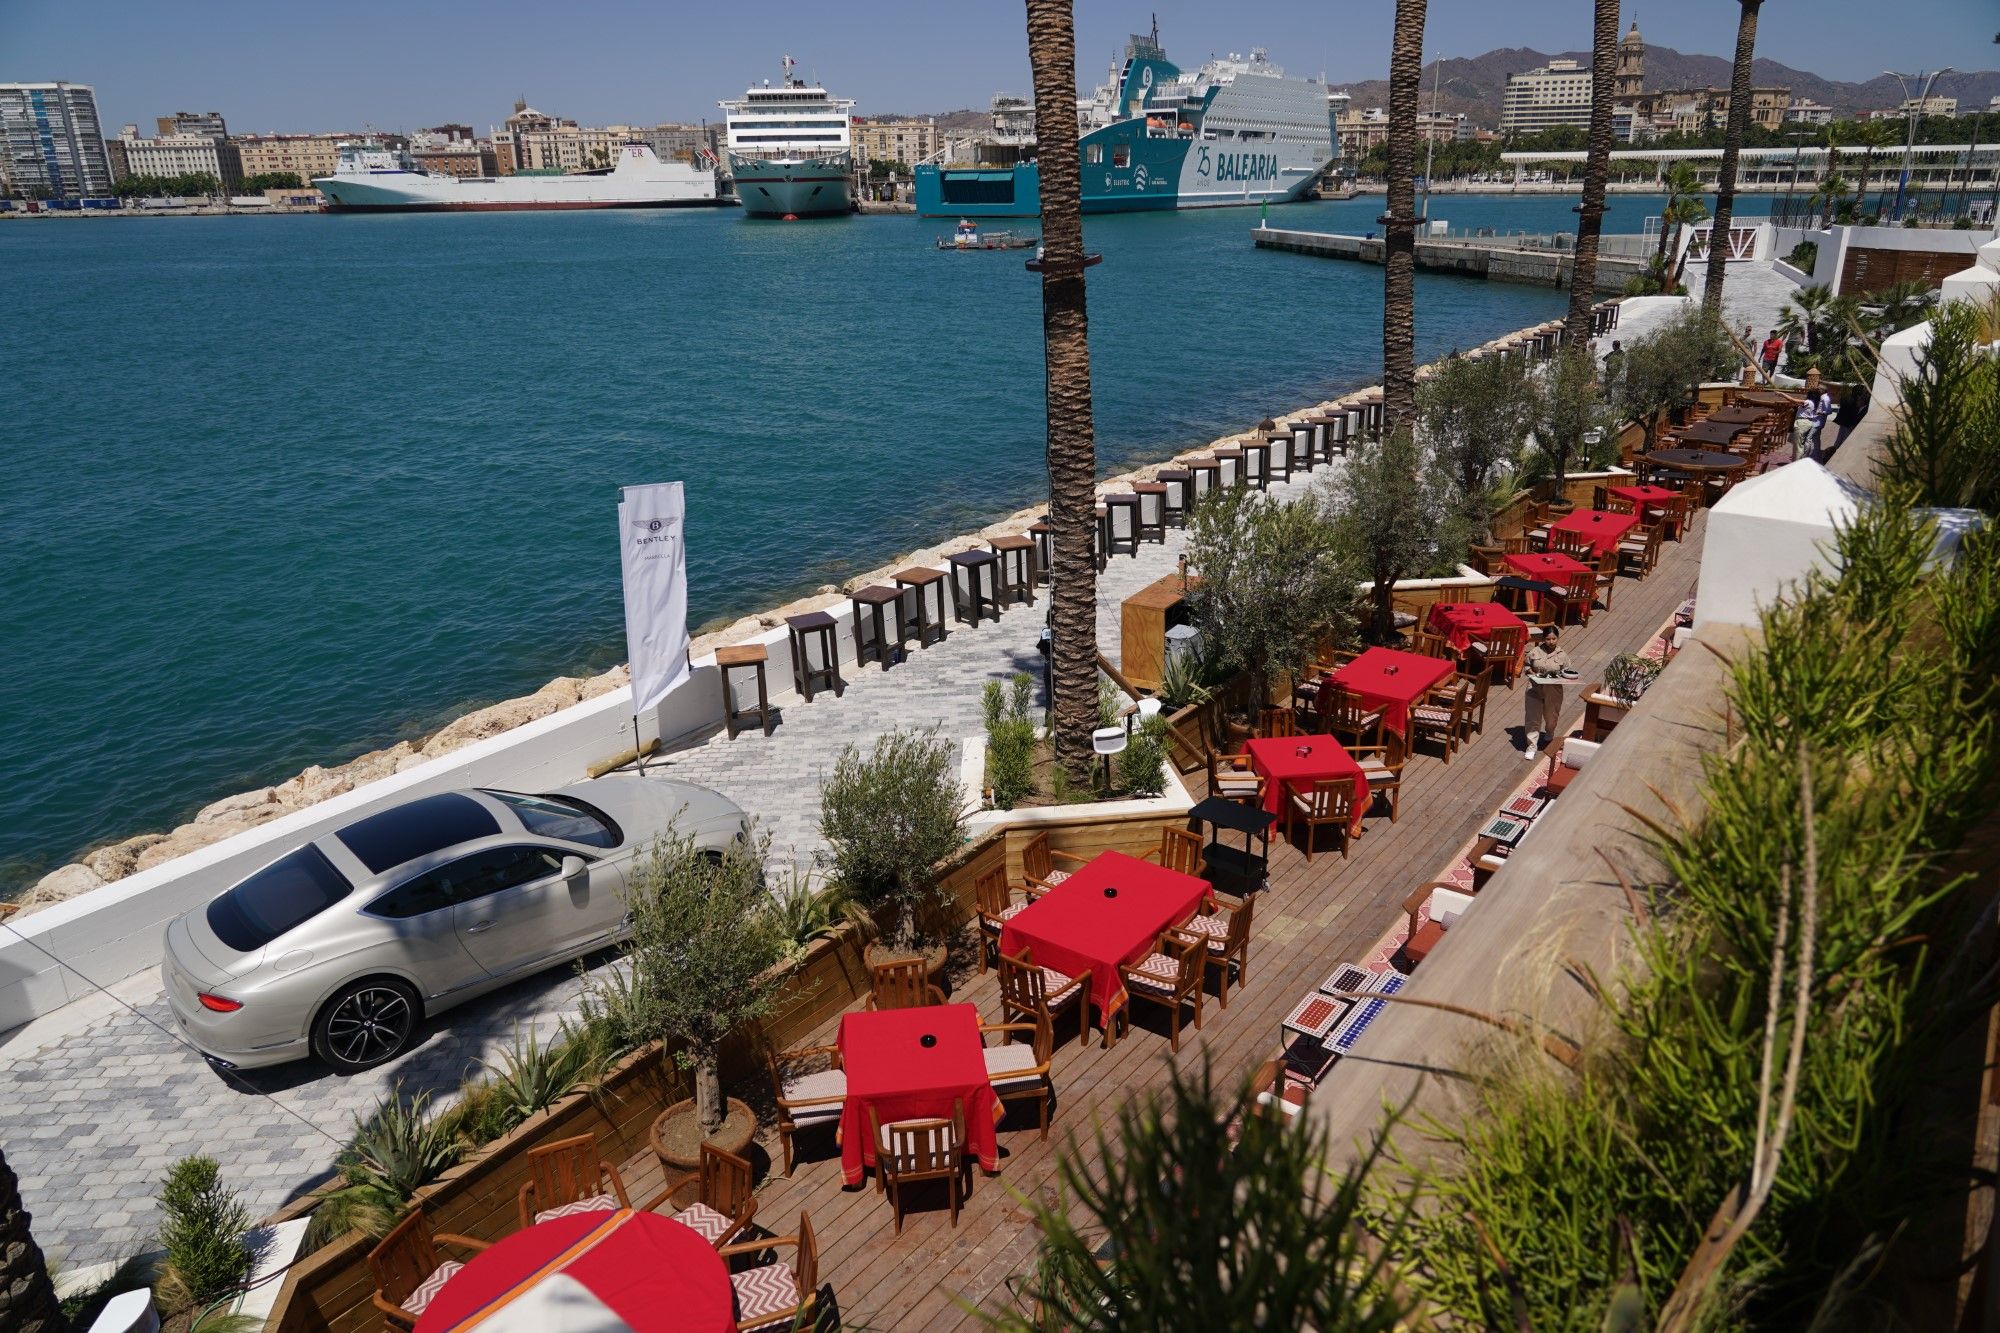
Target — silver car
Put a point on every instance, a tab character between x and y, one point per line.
343	946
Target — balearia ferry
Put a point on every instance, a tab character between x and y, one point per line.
1235	131
369	177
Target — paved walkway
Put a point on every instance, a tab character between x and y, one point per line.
93	1120
1752	293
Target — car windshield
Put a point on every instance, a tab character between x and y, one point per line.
561	817
284	894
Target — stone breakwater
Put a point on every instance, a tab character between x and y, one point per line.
247	810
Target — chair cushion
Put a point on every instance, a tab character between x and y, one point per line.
1156	972
812	1087
1215	927
763	1293
1057	987
708	1221
420	1300
596	1203
1055	877
1007	915
1431	717
1420	944
1012	1058
1240	782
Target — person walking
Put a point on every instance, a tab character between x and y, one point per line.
1802	428
1774	347
1614	367
1544	664
1821	404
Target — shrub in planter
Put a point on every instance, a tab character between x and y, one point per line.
397	1148
1142	765
1627	676
201	1228
1010	739
889	817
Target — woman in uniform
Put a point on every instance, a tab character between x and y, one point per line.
1545	659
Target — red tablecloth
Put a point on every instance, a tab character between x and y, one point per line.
890	1069
1642	496
1466	623
654	1273
1278	759
1075	926
1392	690
1546	568
1603	531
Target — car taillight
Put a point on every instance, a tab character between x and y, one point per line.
218	1003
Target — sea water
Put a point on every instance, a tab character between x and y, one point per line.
282	490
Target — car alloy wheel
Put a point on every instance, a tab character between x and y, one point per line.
367	1024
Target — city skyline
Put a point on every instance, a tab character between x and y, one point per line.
403	67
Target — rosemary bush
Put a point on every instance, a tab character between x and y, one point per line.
1142	764
1010	739
202	1223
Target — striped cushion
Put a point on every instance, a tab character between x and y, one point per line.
1013	911
1156	972
1055	877
1056	986
706	1220
419	1300
1215	926
1011	1059
1433	717
762	1294
596	1203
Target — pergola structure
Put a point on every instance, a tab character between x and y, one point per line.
1775	169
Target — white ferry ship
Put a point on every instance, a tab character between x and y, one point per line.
371	178
791	149
1236	131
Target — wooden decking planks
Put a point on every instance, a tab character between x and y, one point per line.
1310	919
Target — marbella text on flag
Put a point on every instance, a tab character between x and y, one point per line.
653	555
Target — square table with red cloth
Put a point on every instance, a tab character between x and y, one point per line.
890	1069
1075	926
1601	530
1391	680
1278	761
1546	567
654	1273
1466	623
1643	497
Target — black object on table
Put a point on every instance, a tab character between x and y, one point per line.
1246	869
1699	460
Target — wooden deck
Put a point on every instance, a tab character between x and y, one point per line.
1310	918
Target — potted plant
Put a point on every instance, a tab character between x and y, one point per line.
889	817
703	952
1395	516
1627	676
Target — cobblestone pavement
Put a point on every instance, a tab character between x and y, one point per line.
91	1122
1752	293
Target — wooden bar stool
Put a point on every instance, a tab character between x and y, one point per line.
1205	475
1152	501
924	581
729	659
1315	448
1100	539
1257	463
982	580
1121	523
1018	570
815	629
1045	551
1282	457
871	606
1229	459
1179	485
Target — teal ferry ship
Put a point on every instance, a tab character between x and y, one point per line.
1236	131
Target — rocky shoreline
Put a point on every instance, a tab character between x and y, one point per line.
247	810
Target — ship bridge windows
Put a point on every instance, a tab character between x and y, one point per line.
1093	154
1121	155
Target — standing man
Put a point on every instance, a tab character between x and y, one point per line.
1821	404
1802	428
1614	367
1544	664
1774	347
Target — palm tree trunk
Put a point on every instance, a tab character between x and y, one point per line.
1399	222
1072	448
1732	147
1861	195
1596	168
28	1301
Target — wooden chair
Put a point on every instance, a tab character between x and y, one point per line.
996	908
1515	545
1474	721
1170	976
1382	767
1441	717
725	1205
1038	864
1329	803
1447	902
1234	779
1454	593
778	1295
1535	528
1566	761
1030	992
1178	850
1426	644
1224	931
1342	715
810	1088
1640	550
1576	595
1501	651
1019	1070
1276	721
1270	1087
1572	544
408	1271
908	1152
1485	559
567	1177
903	983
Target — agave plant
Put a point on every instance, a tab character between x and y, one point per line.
397	1149
532	1076
806	909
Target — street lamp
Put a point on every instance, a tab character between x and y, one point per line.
1913	111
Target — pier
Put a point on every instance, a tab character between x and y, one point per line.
1541	260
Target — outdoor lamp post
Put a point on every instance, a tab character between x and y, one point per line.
1913	111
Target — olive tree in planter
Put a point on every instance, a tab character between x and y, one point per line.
704	955
1395	515
1665	369
889	817
1475	413
1272	584
1567	409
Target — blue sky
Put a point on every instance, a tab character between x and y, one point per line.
335	64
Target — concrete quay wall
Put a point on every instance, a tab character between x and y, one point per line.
1495	260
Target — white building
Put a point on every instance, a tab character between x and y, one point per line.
1804	111
1934	105
182	155
51	144
1552	95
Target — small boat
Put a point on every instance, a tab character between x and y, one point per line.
969	237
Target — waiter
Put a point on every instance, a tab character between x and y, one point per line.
1545	660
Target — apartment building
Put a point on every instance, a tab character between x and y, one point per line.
1545	98
51	142
182	155
303	155
904	141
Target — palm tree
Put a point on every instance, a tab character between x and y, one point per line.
1399	221
1596	168
1827	196
1072	447
1873	134
1732	148
1683	206
28	1301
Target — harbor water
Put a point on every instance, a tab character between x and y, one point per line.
283	490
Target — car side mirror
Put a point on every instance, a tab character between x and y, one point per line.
573	866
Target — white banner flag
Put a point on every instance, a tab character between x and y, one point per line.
653	554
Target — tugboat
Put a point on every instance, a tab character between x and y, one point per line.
969	237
